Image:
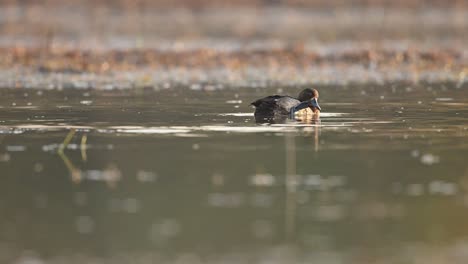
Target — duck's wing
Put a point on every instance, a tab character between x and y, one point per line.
282	101
286	103
273	109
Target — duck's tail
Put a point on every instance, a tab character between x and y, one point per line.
256	103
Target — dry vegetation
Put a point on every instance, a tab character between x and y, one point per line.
65	60
292	3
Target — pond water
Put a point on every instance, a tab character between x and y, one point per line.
187	176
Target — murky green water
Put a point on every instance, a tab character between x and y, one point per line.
184	176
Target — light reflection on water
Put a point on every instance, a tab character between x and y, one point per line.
185	177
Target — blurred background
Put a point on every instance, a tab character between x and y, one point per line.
126	134
287	42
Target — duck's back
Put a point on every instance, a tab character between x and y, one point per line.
274	105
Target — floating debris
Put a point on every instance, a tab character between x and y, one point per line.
234	101
262	180
13	148
86	102
429	159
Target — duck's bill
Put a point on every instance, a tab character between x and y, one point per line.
315	104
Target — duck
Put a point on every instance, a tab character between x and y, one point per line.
281	107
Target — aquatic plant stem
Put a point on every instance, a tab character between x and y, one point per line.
84	139
74	172
67	140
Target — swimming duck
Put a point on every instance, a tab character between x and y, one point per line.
280	107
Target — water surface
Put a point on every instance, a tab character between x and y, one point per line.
187	176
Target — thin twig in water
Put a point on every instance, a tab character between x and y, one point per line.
84	139
67	140
74	171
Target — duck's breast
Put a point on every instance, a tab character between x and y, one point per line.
307	114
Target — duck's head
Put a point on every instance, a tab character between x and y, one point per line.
307	94
311	95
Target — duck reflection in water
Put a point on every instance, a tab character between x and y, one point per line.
279	108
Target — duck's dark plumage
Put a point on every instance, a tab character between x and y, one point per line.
274	105
280	107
